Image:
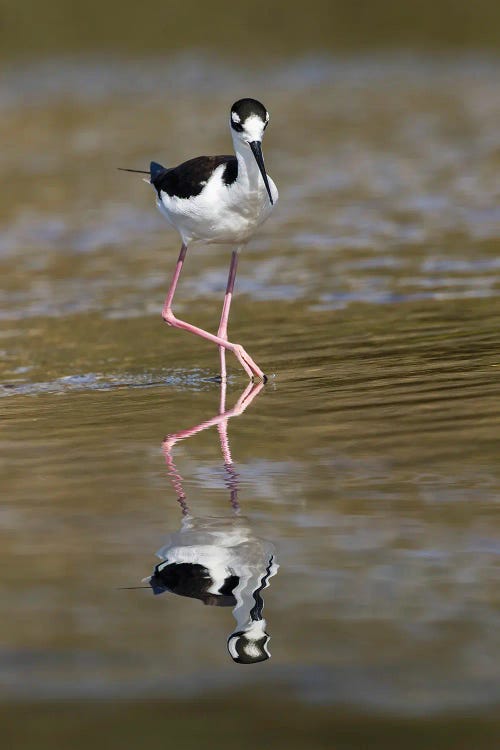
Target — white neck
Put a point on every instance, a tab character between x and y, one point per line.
248	170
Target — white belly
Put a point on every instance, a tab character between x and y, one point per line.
220	213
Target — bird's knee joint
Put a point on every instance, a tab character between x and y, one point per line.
168	316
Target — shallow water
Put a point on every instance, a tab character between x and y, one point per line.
369	461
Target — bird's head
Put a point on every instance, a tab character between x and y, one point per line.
249	118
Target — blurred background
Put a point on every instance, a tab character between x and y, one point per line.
249	32
370	461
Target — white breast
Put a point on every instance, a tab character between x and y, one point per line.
220	213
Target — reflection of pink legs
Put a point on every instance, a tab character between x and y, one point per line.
250	367
176	479
231	475
251	391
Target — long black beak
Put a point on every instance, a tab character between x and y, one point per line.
257	152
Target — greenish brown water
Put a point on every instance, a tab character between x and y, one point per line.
369	461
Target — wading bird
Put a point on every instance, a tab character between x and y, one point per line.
219	200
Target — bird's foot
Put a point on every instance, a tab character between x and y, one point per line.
251	368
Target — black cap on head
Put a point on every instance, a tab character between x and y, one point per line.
245	108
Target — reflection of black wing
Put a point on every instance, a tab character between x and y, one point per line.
192	580
189	178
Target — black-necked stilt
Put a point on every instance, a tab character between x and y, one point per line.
219	199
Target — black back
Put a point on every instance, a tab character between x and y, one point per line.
190	177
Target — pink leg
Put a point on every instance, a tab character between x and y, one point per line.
250	367
222	332
178	268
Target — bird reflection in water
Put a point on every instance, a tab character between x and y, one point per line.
219	560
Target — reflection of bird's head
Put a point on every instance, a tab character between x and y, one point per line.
249	646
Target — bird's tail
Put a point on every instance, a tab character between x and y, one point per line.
138	171
155	170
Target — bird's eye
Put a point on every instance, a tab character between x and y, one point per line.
237	126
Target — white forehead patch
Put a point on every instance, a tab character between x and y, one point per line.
235	117
254	127
267	116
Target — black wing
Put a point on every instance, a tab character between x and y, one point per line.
189	178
